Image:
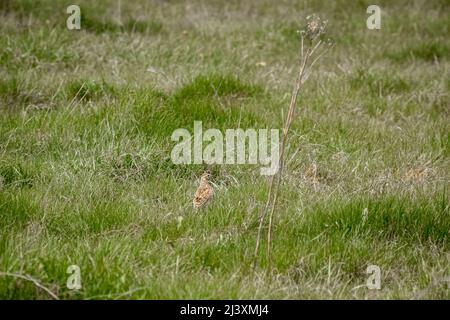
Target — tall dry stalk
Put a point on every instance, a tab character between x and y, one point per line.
311	43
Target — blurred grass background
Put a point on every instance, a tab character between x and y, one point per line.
86	176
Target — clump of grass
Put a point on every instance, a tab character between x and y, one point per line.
86	90
11	91
216	85
129	166
16	93
96	25
131	25
140	26
388	217
22	8
429	51
216	100
17	209
14	175
377	84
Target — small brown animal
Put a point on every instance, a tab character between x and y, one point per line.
204	191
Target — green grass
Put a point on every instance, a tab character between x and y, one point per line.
86	176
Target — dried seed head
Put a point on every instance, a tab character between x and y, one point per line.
315	27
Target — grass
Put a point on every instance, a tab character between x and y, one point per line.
86	176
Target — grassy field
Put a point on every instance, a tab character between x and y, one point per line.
86	176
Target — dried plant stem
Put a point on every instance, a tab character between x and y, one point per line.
275	180
29	278
272	197
262	217
286	128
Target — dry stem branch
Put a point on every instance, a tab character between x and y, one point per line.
274	185
29	278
